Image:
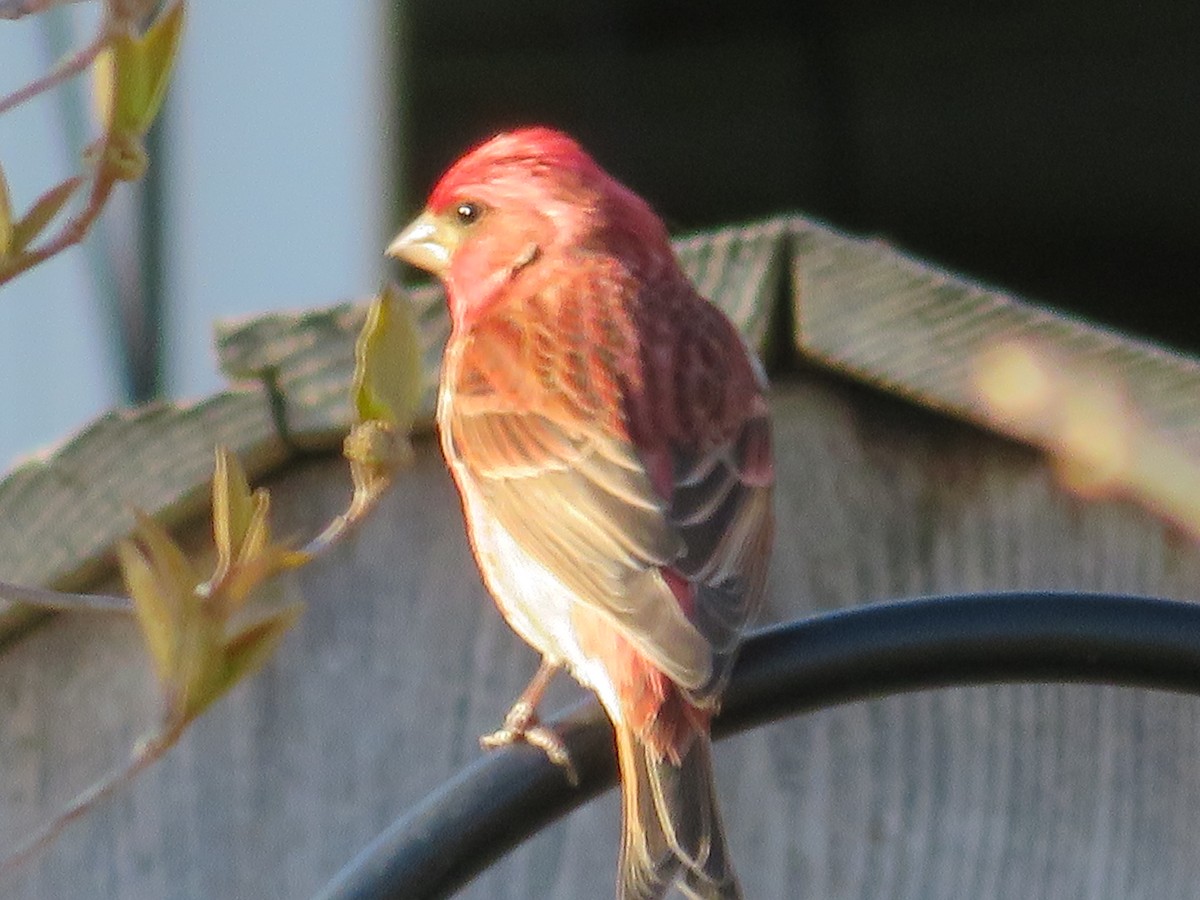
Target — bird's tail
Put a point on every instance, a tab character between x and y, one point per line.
671	826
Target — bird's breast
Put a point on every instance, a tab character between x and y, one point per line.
534	602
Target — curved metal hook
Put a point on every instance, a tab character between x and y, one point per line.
832	658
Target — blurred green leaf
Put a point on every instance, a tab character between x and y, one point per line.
233	509
246	652
130	75
259	559
169	564
159	46
116	83
6	219
156	613
256	541
246	552
388	378
184	621
194	655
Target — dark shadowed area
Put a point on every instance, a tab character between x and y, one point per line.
1048	147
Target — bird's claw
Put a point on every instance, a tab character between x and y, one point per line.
521	724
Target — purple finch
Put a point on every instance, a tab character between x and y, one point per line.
610	437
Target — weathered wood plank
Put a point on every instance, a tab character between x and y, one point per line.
856	305
867	309
400	662
306	359
61	513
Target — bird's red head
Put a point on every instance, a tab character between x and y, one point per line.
511	164
519	203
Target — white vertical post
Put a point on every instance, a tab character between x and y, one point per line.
276	194
279	129
56	365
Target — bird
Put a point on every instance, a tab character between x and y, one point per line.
609	434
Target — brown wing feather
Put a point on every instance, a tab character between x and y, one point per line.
707	406
720	508
568	472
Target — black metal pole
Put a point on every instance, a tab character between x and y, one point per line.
839	657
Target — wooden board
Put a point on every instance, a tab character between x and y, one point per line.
789	283
400	662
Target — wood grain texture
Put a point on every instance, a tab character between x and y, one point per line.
61	513
400	661
867	309
855	305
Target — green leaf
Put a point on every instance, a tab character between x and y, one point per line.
200	660
246	553
257	540
132	72
194	653
42	213
167	561
159	46
116	83
257	559
233	509
156	611
388	377
246	577
6	219
244	654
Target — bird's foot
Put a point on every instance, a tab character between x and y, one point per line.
522	724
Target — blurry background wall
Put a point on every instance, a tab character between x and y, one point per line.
1045	145
1050	146
268	188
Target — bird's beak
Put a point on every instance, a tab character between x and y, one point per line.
427	243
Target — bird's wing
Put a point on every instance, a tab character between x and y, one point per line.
706	392
583	507
670	541
721	507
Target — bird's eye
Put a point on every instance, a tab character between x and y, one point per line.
468	213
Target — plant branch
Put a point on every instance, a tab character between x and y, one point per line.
44	598
146	753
